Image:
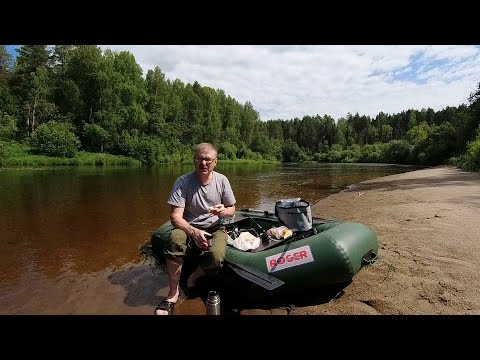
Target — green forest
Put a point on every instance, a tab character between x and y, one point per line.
79	105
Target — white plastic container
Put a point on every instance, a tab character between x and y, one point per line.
295	214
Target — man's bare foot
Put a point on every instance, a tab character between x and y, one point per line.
167	305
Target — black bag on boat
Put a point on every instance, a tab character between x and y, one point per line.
294	214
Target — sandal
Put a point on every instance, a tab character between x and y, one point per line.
165	305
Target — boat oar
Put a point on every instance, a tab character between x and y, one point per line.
257	277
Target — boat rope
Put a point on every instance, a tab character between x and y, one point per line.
389	266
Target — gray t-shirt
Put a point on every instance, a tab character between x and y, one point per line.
187	192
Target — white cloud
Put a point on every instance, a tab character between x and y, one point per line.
288	81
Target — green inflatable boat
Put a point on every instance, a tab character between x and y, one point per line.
329	253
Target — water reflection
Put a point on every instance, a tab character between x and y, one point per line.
141	285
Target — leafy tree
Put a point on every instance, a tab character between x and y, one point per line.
334	155
54	139
7	101
372	135
6	63
307	136
418	133
231	121
95	136
31	84
61	57
438	146
122	94
227	151
352	154
412	119
472	155
157	91
380	120
8	126
430	116
267	139
339	137
212	122
275	129
66	92
38	108
249	117
372	153
291	152
472	123
397	152
386	133
83	79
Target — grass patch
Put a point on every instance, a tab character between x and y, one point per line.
17	154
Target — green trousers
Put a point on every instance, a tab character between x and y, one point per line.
210	260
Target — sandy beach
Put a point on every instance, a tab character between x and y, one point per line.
428	227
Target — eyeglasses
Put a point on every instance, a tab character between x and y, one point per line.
207	161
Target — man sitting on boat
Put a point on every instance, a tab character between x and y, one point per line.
198	200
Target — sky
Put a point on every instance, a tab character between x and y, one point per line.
288	81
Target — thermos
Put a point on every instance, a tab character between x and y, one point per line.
213	303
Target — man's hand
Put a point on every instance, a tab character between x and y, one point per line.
218	210
200	238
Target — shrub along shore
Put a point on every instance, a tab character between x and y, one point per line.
14	154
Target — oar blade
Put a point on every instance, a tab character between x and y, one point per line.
257	277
